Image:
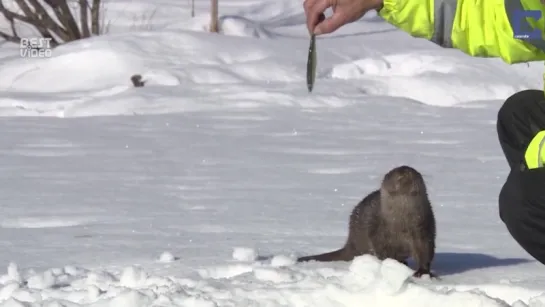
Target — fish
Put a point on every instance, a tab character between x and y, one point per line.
311	63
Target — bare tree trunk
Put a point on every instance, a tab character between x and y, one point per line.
84	18
214	16
95	17
192	8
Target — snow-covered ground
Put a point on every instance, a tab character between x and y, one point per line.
231	168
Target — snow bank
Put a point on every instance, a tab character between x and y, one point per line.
258	60
365	281
182	71
444	80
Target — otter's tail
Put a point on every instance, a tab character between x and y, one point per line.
339	255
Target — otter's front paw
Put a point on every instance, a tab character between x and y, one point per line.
421	272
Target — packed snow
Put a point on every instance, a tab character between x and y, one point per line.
202	187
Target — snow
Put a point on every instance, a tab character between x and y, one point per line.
202	187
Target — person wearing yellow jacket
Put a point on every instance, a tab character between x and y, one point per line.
508	29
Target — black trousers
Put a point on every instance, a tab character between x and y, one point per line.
522	197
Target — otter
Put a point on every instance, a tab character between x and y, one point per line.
395	221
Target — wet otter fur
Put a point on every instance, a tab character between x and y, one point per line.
395	221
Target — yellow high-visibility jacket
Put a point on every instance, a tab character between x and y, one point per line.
480	28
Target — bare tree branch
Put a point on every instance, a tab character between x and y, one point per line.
14	38
41	20
60	26
65	17
29	16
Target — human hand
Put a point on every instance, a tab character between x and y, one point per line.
344	11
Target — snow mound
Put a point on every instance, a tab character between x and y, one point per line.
77	66
240	26
166	257
244	254
230	25
366	279
264	20
92	77
185	68
442	77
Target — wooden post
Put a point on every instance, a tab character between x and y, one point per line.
214	16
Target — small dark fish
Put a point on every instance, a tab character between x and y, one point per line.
311	63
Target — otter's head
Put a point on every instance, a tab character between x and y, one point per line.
403	180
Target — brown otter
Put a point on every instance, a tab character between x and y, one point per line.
395	221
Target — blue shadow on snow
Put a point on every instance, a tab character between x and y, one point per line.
455	263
